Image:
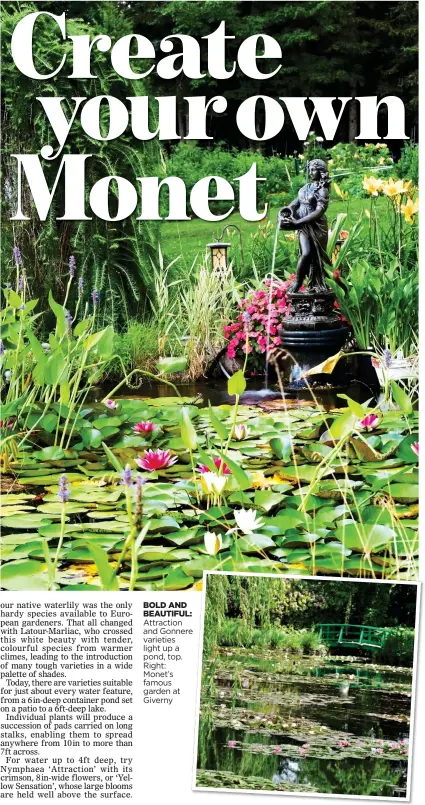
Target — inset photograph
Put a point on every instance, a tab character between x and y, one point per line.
306	685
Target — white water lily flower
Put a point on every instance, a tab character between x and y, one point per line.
211	482
240	432
247	520
212	542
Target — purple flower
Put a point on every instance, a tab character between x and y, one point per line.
21	284
22	307
72	265
95	297
64	490
17	255
80	286
127	476
2	349
388	358
69	319
138	485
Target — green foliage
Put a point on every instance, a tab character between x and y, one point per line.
239	633
398	647
113	258
191	162
408	164
381	302
137	347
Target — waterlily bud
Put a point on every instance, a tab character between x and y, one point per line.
212	542
240	432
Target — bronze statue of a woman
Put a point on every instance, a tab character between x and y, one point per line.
306	214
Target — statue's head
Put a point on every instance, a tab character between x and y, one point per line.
318	170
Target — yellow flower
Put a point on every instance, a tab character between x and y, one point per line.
409	209
331	162
392	188
290	236
341	193
382	161
372	185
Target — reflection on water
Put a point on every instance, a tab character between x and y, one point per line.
215	392
341	697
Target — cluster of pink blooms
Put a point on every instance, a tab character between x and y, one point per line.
260	318
260	313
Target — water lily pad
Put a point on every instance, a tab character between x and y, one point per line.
366	537
25	520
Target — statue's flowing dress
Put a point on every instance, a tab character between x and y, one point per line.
317	232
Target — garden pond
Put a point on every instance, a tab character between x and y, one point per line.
318	493
276	721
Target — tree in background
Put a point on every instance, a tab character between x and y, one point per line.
300	603
329	48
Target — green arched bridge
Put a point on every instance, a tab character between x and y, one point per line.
346	634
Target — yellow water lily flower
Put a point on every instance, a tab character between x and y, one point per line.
197	586
261	481
372	185
409	209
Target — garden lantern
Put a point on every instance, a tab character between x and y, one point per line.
219	255
219	249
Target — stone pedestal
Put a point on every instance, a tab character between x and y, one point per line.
311	310
311	333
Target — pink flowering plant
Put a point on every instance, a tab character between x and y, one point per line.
263	310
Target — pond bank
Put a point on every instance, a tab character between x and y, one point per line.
333	725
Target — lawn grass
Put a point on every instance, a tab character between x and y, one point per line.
187	239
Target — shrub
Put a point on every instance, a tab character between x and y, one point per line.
408	164
398	647
191	162
137	346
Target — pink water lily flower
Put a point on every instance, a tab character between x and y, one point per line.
155	460
277	750
306	747
202	468
344	743
145	427
111	404
231	743
415	448
369	422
